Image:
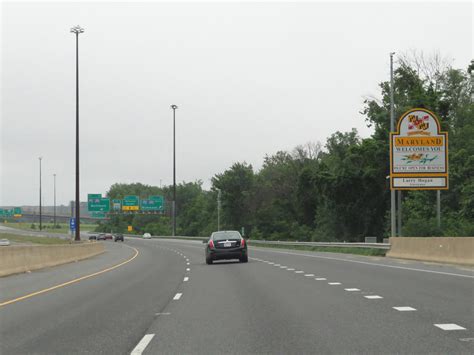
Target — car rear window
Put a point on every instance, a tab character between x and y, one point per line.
226	235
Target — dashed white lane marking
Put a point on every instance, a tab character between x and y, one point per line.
186	279
299	272
352	289
369	263
373	297
188	269
290	269
163	314
309	275
187	264
276	265
270	263
320	278
283	267
449	326
404	309
334	283
177	296
142	344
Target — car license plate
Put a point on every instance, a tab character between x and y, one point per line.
227	244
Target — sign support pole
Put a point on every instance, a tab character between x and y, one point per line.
438	208
399	214
392	126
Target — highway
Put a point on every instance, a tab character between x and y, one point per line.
159	297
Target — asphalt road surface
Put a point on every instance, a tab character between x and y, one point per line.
164	299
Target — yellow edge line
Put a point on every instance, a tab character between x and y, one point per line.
70	282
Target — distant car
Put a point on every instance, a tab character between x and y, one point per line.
101	236
147	236
226	245
4	242
109	237
118	237
93	237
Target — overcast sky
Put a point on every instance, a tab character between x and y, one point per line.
250	79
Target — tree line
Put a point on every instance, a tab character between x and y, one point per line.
336	191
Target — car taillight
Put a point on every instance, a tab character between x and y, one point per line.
211	244
242	243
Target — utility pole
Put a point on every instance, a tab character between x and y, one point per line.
218	209
40	209
392	126
77	29
54	175
174	107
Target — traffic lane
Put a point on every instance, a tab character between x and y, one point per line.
17	285
439	298
106	314
257	308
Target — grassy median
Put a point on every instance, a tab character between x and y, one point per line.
24	239
344	250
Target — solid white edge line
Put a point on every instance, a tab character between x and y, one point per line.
142	344
177	296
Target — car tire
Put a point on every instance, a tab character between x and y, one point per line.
208	261
244	259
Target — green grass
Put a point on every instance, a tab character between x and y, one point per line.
48	227
344	250
32	240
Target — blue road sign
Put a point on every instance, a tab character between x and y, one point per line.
72	224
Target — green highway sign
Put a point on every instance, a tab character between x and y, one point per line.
98	214
151	205
14	212
130	203
154	203
97	203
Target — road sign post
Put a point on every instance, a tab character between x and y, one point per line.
72	224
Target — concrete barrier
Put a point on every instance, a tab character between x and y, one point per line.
22	258
457	250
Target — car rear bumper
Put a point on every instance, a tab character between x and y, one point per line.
217	254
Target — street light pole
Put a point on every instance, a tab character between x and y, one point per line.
174	107
54	175
40	212
392	126
77	29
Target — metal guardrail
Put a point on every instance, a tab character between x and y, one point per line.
321	244
275	242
